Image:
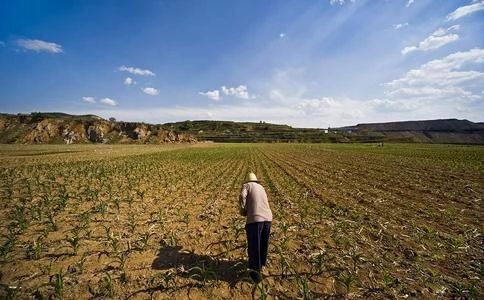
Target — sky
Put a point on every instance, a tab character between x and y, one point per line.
308	63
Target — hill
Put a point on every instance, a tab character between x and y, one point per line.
229	131
451	131
56	128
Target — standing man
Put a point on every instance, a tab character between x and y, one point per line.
255	206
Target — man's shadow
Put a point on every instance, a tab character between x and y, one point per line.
200	267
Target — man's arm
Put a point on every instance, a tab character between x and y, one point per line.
243	200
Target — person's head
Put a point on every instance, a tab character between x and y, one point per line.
251	177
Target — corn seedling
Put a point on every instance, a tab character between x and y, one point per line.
74	241
57	282
283	263
263	291
121	258
202	273
51	223
132	223
107	286
144	238
304	289
34	250
20	218
9	243
78	267
347	279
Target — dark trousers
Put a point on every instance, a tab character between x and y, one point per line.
257	244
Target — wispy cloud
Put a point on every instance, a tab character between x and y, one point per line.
213	95
39	46
89	99
282	35
2	44
409	2
466	10
150	91
436	89
340	2
108	101
400	25
137	71
436	40
129	81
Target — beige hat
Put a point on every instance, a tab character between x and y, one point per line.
251	177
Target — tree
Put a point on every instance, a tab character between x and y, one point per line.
112	119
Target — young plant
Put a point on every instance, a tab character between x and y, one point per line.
20	218
132	223
202	273
347	279
283	263
35	249
263	291
74	241
107	286
304	289
78	267
121	257
57	281
142	242
51	223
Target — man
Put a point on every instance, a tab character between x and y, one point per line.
255	206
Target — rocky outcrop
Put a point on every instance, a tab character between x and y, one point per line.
48	128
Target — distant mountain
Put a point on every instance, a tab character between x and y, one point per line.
56	128
450	125
428	131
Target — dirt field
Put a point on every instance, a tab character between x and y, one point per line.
134	222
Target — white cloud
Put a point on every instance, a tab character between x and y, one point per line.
151	91
444	71
400	25
340	2
465	10
108	101
214	95
409	2
436	40
441	83
282	35
137	71
89	99
39	46
239	92
129	81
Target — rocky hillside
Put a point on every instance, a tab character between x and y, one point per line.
56	128
449	131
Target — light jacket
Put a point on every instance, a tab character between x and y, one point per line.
254	204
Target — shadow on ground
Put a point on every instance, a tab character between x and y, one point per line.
200	267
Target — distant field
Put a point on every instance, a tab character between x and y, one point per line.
134	221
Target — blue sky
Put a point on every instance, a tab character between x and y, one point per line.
303	63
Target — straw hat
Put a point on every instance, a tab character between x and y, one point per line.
251	177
